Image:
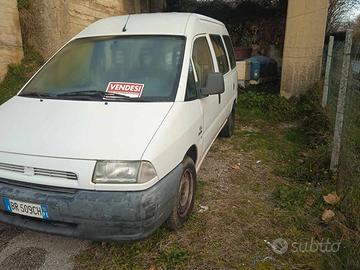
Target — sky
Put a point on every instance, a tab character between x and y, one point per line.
355	13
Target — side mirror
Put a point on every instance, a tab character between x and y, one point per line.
215	84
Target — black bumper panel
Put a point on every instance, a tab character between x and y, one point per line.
97	215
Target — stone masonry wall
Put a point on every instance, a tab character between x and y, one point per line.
303	48
10	35
56	21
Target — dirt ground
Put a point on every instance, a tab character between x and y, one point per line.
234	222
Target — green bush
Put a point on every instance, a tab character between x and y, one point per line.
18	74
315	121
23	4
269	106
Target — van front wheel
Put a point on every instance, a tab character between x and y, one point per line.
185	198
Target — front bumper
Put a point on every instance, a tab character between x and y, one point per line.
96	215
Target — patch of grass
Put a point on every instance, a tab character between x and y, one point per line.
314	120
173	258
270	88
303	147
269	145
297	135
18	74
306	146
353	135
348	256
292	197
312	166
350	206
23	4
255	104
263	104
303	203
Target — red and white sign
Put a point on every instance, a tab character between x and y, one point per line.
133	90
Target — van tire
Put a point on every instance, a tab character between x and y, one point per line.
228	130
185	198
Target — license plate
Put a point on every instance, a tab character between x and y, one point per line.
26	209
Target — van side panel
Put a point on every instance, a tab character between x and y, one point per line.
199	26
179	131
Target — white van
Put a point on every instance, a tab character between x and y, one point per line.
105	140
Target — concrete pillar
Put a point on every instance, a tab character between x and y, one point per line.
303	47
11	50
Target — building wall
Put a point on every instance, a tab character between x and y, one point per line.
303	47
10	36
57	21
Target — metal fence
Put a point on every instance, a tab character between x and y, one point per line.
341	98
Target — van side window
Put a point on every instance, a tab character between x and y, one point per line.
191	92
202	60
220	53
230	50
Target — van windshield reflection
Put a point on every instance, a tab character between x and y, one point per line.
136	68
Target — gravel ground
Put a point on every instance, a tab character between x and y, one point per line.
28	250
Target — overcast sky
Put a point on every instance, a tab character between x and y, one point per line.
355	13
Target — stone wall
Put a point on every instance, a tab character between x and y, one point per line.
10	36
57	21
303	48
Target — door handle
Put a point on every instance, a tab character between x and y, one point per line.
200	130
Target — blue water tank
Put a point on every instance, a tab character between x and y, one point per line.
262	68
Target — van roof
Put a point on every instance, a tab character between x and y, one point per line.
149	23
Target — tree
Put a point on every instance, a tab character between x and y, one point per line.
248	21
356	27
339	12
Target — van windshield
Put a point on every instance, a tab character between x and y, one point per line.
130	68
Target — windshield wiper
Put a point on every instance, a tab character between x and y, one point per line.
35	95
87	94
115	95
93	94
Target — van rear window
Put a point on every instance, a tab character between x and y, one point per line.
230	50
220	53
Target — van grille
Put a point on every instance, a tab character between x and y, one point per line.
39	171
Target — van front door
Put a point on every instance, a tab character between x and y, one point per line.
211	107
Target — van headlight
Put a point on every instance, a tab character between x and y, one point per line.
117	172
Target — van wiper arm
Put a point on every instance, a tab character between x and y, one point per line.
92	94
115	96
87	93
35	95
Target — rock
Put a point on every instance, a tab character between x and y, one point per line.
332	198
235	167
203	208
327	215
